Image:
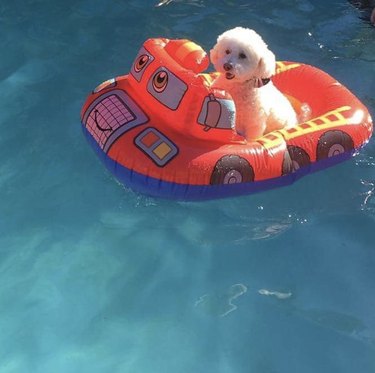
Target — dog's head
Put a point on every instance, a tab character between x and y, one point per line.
241	54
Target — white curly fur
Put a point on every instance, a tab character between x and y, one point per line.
243	59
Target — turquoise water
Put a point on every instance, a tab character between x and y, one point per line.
95	278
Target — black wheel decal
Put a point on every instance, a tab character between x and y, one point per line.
333	143
287	166
298	157
232	169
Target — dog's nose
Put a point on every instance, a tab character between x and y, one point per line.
228	66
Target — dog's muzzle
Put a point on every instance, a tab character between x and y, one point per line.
228	67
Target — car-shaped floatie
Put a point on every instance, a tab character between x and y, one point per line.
163	130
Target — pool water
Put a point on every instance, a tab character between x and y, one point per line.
96	278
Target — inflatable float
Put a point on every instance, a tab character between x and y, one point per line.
164	131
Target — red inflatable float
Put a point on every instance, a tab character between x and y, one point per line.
164	131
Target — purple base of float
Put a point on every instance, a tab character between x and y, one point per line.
186	192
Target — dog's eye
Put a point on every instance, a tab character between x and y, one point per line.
227	51
242	55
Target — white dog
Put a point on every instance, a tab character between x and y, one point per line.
246	66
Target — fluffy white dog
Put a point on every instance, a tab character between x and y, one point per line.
246	66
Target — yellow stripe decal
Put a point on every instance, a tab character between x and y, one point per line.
322	122
281	67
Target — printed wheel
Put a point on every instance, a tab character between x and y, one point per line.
333	143
287	164
232	169
298	157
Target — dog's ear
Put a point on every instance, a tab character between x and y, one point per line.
213	55
266	66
